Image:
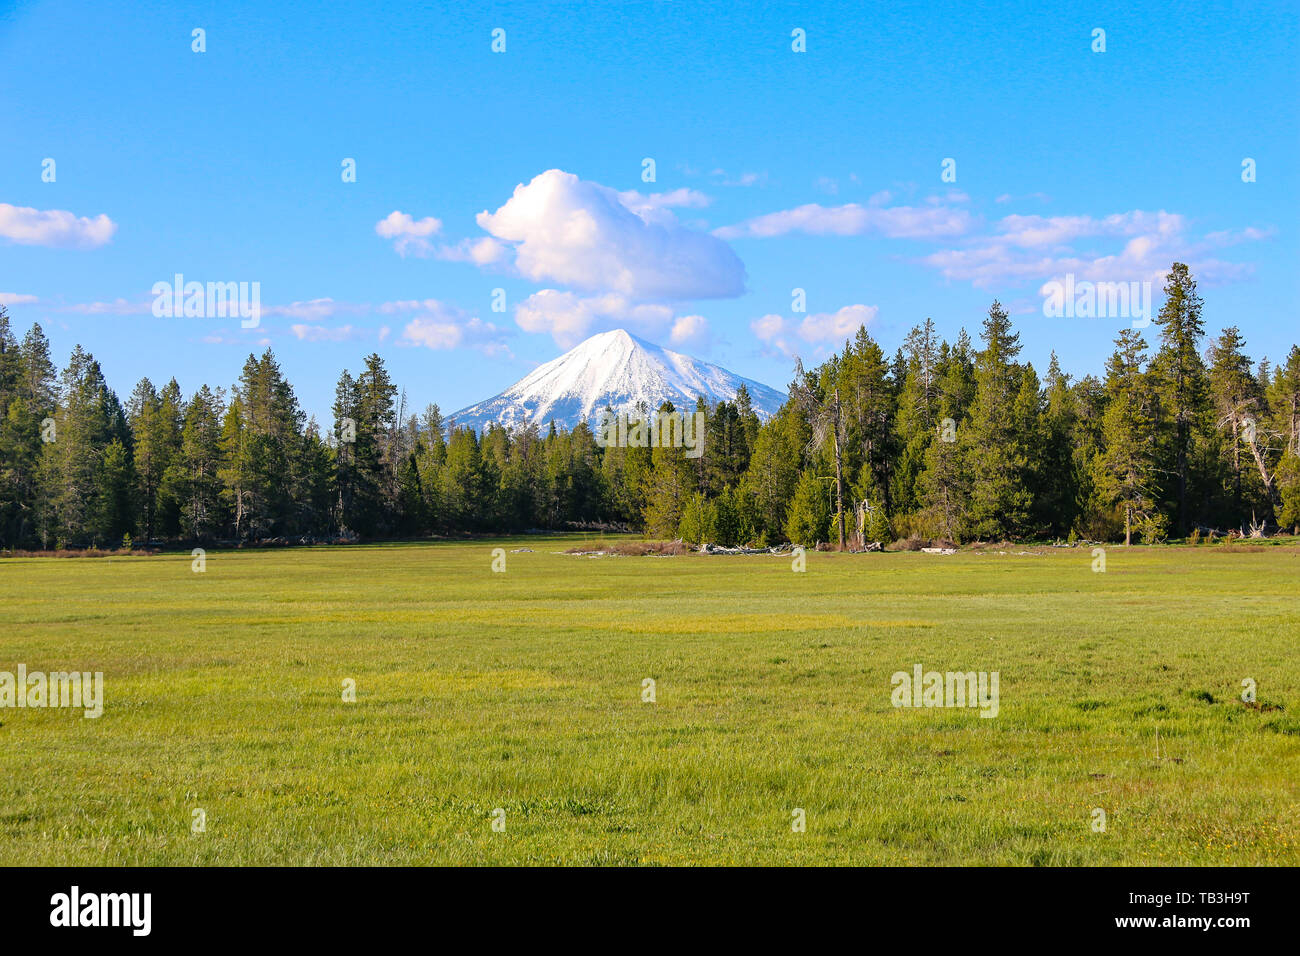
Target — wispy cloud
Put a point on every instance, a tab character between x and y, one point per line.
893	222
321	333
1039	248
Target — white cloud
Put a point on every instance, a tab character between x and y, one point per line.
689	330
116	307
581	234
321	308
1007	197
321	333
54	227
894	222
645	203
723	178
569	318
1231	237
1035	231
484	251
822	328
410	235
443	326
1037	248
16	298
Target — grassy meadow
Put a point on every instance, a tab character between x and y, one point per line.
522	691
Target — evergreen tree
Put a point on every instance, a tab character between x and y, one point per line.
27	398
1055	506
994	443
809	516
1180	373
88	420
196	478
1127	468
699	520
773	473
1238	407
670	484
462	482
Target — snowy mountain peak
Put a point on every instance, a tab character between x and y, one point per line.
618	370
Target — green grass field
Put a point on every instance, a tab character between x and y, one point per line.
522	691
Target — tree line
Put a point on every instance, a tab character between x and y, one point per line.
942	440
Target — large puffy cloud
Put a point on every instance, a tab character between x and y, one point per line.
569	318
54	227
820	328
583	235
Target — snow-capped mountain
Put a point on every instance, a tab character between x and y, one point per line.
618	370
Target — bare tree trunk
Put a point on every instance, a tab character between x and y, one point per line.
1270	481
1128	524
839	474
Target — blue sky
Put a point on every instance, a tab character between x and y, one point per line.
774	170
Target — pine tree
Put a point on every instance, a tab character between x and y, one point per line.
197	481
994	443
152	451
809	516
1055	504
818	398
1284	427
462	482
943	485
1239	411
27	398
1127	468
1181	375
88	420
773	473
373	454
670	484
114	512
699	520
869	401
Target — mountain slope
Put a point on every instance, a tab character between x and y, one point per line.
618	370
